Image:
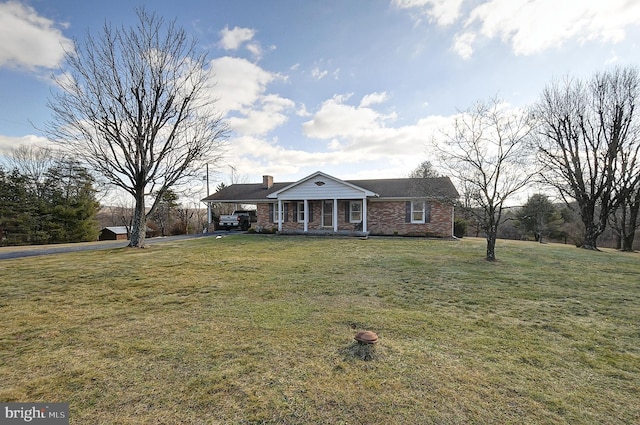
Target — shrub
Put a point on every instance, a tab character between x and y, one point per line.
460	228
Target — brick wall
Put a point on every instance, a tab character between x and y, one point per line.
263	220
389	218
383	218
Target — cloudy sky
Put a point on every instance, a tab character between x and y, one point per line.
353	88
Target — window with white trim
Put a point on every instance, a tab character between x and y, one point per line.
417	211
300	217
355	211
273	212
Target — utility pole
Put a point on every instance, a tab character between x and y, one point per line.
209	218
207	179
233	178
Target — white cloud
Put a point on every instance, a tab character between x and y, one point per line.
302	111
343	139
364	133
255	50
381	151
8	143
241	93
239	83
337	119
443	12
531	26
28	40
317	74
353	134
271	158
232	39
463	44
268	115
373	98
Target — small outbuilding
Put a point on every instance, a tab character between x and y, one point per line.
115	233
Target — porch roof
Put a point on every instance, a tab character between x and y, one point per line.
321	186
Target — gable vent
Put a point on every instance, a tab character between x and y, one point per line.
319	183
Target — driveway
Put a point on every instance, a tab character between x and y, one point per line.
10	252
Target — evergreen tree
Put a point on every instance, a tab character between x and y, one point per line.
17	210
62	209
539	217
71	206
162	215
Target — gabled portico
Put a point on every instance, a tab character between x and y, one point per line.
321	187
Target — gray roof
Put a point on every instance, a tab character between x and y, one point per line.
439	187
119	230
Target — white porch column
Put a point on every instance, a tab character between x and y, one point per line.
364	214
279	215
335	215
306	215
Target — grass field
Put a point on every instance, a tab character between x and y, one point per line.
259	329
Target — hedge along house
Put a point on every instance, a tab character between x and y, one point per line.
322	204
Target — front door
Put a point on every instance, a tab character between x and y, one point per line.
327	214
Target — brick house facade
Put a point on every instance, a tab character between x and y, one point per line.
322	204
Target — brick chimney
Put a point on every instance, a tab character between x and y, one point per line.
267	182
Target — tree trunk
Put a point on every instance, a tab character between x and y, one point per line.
627	242
591	229
630	227
491	245
591	234
139	224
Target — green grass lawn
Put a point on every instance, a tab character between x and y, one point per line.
259	329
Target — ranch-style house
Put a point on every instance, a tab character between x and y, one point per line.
323	204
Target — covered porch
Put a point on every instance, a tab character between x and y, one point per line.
321	204
320	216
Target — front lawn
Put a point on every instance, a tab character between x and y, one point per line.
259	329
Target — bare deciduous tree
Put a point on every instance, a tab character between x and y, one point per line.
424	171
33	162
487	154
625	220
135	106
585	130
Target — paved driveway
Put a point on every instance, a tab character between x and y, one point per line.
33	250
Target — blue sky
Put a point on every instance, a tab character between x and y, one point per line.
354	88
